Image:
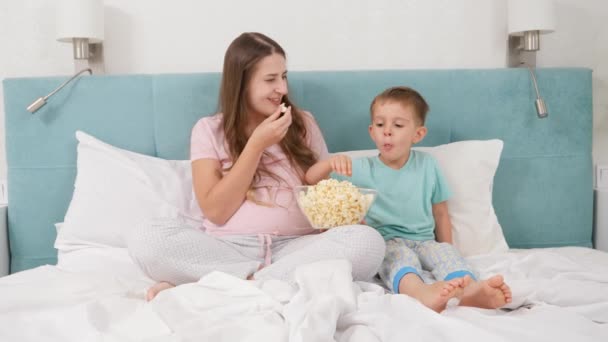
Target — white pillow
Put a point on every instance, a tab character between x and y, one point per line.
115	190
469	168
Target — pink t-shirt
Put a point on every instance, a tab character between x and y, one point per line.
280	215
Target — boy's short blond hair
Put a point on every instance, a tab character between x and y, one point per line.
406	97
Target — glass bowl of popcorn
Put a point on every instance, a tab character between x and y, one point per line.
333	203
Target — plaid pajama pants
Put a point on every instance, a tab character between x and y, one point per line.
409	256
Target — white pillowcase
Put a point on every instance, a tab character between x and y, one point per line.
116	190
469	168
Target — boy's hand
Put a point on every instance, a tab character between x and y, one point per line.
341	164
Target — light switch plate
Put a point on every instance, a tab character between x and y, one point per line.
601	176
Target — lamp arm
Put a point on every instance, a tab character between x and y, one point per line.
68	81
41	101
534	81
541	107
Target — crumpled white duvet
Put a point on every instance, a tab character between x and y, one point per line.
560	294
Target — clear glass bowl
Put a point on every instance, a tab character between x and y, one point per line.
340	206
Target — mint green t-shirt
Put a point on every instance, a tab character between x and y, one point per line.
404	206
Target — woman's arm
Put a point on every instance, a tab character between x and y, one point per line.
220	196
443	225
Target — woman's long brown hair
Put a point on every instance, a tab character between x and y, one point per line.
242	56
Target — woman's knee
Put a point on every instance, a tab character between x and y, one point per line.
364	233
372	242
366	250
147	239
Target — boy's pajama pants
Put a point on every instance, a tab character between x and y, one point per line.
409	256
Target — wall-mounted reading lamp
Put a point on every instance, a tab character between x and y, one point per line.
527	20
80	22
41	101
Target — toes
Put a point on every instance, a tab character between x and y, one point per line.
457	282
450	286
506	290
508	296
156	288
496	281
150	295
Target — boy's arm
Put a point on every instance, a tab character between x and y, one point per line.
443	225
322	169
318	172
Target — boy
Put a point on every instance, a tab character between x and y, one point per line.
411	210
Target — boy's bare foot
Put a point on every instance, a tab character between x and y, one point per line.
491	293
156	288
435	296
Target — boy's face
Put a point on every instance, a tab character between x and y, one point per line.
394	129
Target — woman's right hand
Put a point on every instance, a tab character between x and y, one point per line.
272	130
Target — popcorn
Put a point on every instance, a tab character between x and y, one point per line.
283	108
332	203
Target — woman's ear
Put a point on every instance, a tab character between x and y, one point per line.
420	134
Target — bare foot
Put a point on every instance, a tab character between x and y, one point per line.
491	293
157	288
435	296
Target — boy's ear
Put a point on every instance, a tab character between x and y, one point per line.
420	134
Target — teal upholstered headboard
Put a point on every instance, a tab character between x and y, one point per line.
543	186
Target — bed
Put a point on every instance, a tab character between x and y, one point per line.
521	181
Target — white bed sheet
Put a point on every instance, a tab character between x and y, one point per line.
97	295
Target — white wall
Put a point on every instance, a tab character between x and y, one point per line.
153	36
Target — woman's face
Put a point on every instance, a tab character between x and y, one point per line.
267	86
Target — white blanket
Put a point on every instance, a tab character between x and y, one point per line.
559	294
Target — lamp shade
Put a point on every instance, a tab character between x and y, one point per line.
530	15
79	19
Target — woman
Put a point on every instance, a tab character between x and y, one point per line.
245	162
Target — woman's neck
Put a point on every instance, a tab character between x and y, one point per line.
253	121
